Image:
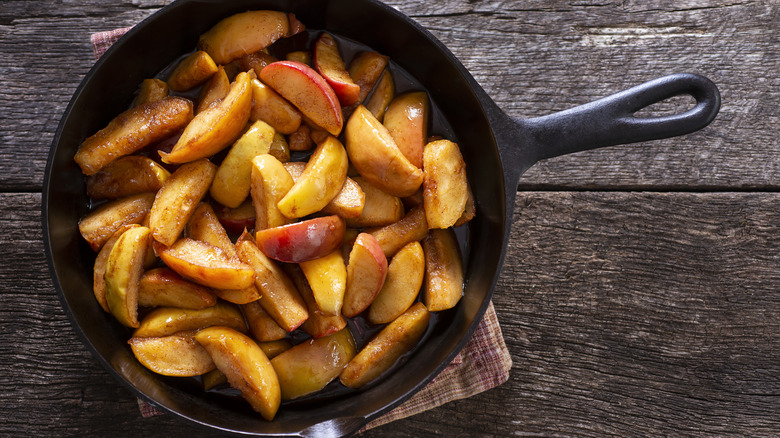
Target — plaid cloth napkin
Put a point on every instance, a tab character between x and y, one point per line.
484	362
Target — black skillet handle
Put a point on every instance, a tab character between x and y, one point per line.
611	121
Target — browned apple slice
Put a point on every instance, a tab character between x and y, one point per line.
262	327
402	285
328	62
239	296
399	337
151	90
192	71
255	61
123	270
348	202
280	149
205	226
244	33
443	284
366	274
177	355
320	182
234	176
133	130
100	224
126	176
213	378
270	181
301	56
327	277
279	297
273	109
99	270
162	287
205	264
308	91
216	127
165	321
246	366
300	140
445	188
235	220
381	97
302	241
177	199
215	90
406	119
380	208
470	211
319	324
275	348
375	155
312	364
413	227
366	69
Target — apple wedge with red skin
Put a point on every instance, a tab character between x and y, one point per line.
308	91
330	64
366	274
302	241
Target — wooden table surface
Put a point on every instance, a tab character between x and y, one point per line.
640	291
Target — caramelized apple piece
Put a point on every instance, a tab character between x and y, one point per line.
413	227
255	61
312	364
273	109
246	366
319	324
206	264
397	338
327	277
235	220
99	270
126	176
177	355
366	274
244	33
302	241
262	327
280	149
270	181
381	97
165	321
239	296
151	90
204	226
192	71
380	208
348	202
123	270
443	284
366	69
133	130
328	62
402	285
234	176
301	56
162	287
300	140
214	91
470	211
445	188
406	119
177	199
99	225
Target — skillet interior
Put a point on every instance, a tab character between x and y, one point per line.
108	89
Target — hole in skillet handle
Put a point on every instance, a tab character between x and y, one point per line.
611	120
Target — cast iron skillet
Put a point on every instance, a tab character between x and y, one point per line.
497	150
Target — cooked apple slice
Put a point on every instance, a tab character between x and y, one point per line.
273	109
244	33
100	224
366	69
279	297
205	264
205	226
162	287
99	270
214	91
192	71
413	227
327	277
126	176
445	187
470	211
302	241
235	220
308	91
279	148
255	61
133	130
300	140
320	182
246	366
402	285
380	208
319	324
366	274
348	202
239	296
177	355
270	181
375	155
262	327
216	127
165	321
177	199
151	90
328	62
443	284
406	119
123	270
301	56
398	338
312	364
382	95
234	176
275	348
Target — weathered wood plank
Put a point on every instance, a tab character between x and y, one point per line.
532	59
